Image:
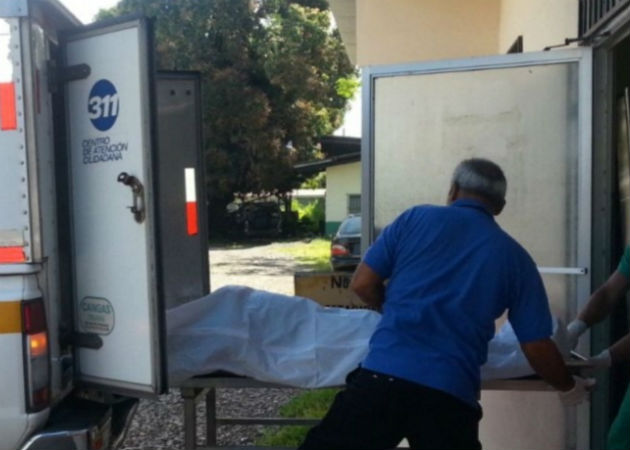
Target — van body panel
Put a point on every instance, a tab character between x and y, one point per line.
184	238
15	423
81	215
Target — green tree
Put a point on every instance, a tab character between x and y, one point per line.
276	78
315	182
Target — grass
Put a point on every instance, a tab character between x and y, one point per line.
312	255
310	404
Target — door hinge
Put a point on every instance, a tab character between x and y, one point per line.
58	76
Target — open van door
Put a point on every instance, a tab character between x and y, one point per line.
119	318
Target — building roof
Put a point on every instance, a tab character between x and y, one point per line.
340	145
345	13
313	167
338	150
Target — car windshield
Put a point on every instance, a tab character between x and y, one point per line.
351	225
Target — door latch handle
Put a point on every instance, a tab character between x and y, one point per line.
137	207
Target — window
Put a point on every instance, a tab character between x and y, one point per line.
354	203
596	13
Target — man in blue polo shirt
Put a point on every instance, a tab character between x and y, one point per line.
451	272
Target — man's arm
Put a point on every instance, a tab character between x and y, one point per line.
369	286
604	299
620	350
600	304
546	360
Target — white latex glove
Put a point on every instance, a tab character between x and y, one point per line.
601	360
579	393
574	330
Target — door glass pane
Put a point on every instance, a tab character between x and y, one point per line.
523	118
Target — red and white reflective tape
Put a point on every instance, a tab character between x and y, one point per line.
8	117
191	202
12	255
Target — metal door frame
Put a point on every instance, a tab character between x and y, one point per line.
604	250
578	431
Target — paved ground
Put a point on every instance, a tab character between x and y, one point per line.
261	266
158	424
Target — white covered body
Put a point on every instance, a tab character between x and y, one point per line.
266	336
292	340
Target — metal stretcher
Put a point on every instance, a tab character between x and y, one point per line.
198	389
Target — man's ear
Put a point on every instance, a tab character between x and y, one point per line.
498	208
452	193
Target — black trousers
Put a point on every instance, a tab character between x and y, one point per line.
376	411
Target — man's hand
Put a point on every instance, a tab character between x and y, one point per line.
574	330
368	285
546	360
619	352
579	393
602	360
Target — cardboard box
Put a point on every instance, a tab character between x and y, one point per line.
327	288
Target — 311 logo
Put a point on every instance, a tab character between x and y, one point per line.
103	105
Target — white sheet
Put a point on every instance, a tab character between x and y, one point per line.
289	340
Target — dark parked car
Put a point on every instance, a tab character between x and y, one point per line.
345	249
256	218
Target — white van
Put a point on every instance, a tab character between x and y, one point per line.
100	223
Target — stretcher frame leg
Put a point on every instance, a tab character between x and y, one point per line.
211	418
190	396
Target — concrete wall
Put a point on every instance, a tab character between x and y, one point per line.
540	22
340	181
395	31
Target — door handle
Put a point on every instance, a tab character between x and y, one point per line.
137	206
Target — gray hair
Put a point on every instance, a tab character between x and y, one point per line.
482	177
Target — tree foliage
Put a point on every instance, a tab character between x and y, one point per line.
276	78
315	182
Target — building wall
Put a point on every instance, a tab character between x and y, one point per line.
396	31
540	22
341	181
